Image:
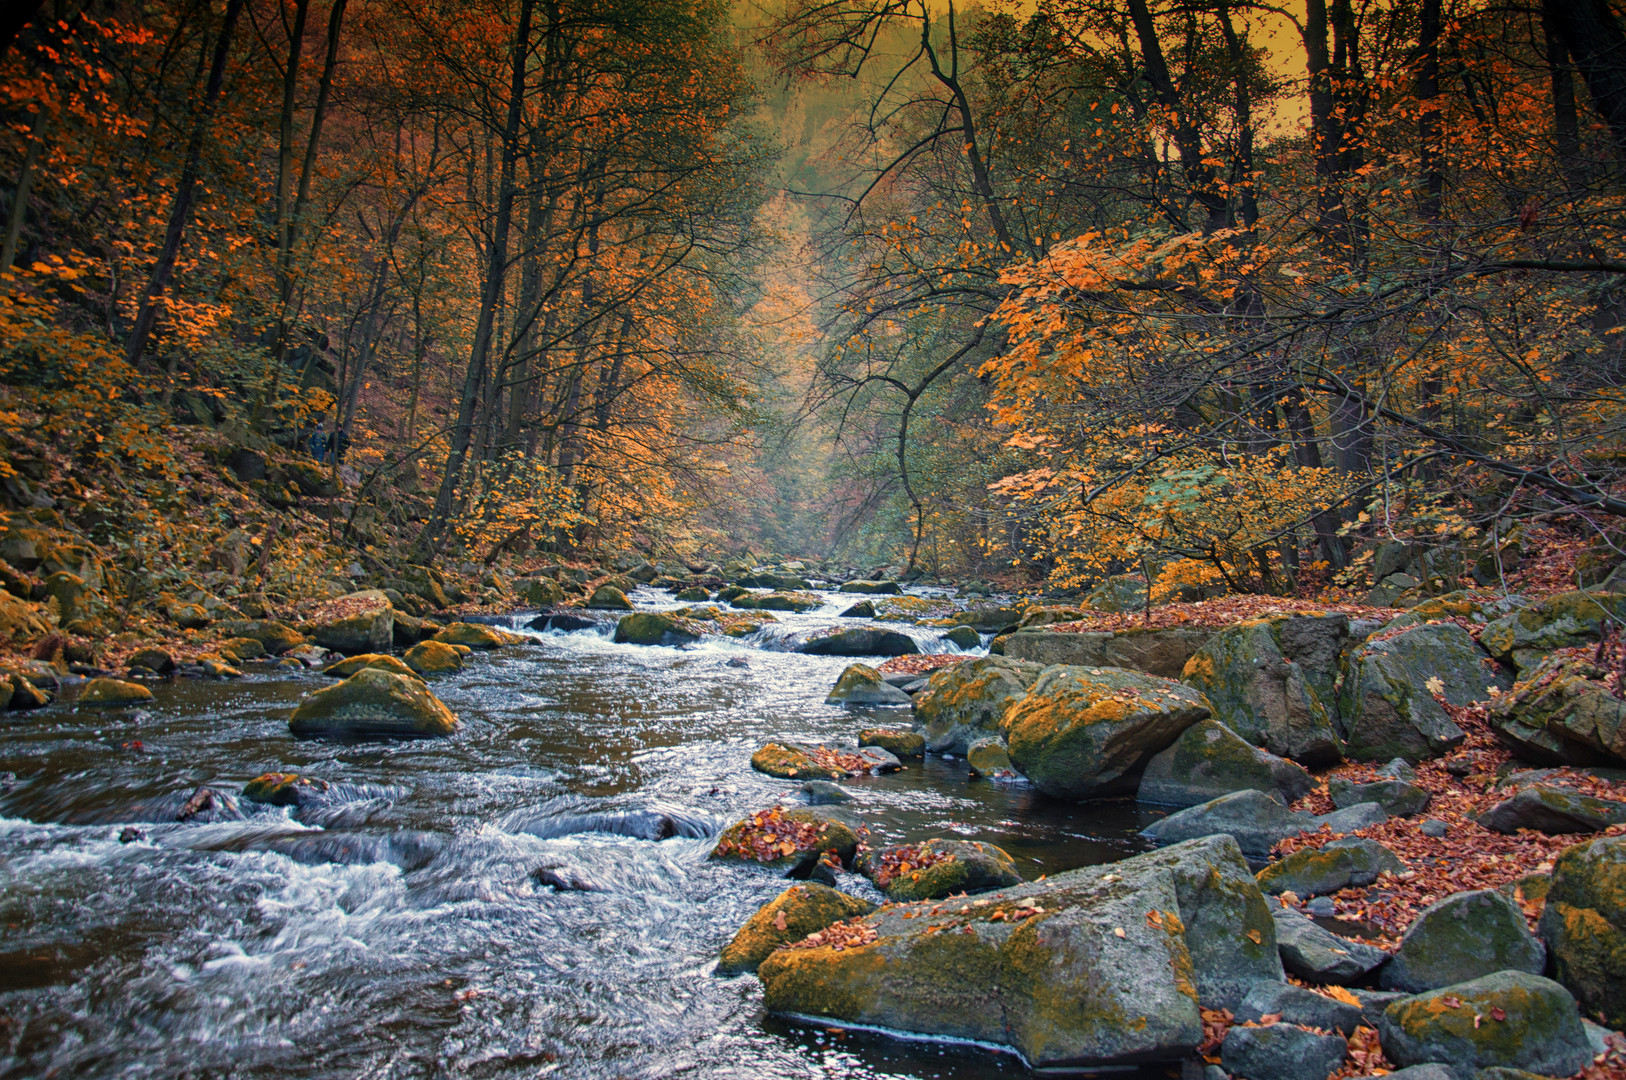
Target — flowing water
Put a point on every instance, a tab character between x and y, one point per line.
397	930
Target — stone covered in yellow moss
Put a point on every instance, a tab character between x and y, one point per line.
1554	622
1085	733
968	701
1584	925
114	692
475	636
343	669
282	789
435	658
374	702
792	915
1539	1029
903	744
938	868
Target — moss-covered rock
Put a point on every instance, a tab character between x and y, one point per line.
1399	798
1157	651
860	641
609	598
343	669
1462	937
1093	967
938	868
990	620
791	840
476	636
1088	732
161	662
1584	926
237	649
283	789
434	658
374	702
541	592
113	692
653	628
990	758
1209	760
693	594
791	916
20	694
864	609
780	601
900	744
1562	712
963	637
1387	707
969	701
1456	1026
1554	622
860	684
799	761
1337	865
875	588
1551	809
362	622
1270	680
277	637
1122	592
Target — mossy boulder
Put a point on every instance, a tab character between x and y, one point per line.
937	868
1456	1025
476	636
283	789
1551	809
161	662
1462	937
1209	760
113	692
900	744
343	669
186	615
1554	622
1399	798
990	758
791	916
374	702
1155	650
1311	871
541	592
361	622
1085	733
1387	707
860	684
1584	926
434	658
781	601
874	588
800	761
20	694
790	840
1121	592
1561	712
237	649
969	701
609	598
990	620
860	641
653	628
693	594
864	609
963	637
1270	681
1100	966
277	637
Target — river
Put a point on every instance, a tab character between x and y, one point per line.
397	931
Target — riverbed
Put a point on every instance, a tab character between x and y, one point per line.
397	930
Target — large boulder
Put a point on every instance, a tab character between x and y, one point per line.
873	588
475	636
362	622
860	684
1088	732
1387	706
791	916
968	701
790	840
1584	926
1255	820
1562	712
1554	622
374	702
609	598
1399	798
343	669
1281	1051
277	637
1339	864
1509	1018
113	692
653	628
434	658
1551	809
860	641
937	868
1462	937
1092	967
1272	681
1209	760
1156	651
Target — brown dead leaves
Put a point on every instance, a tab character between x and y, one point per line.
768	836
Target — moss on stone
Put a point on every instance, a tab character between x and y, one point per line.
374	702
113	692
791	916
434	658
343	669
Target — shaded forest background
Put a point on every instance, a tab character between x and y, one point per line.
1218	294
